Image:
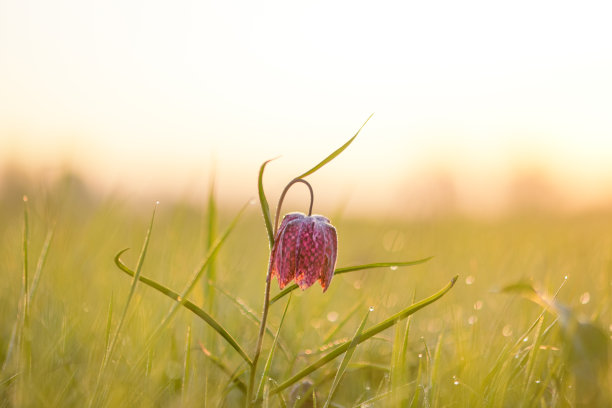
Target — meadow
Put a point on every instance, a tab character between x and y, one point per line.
489	341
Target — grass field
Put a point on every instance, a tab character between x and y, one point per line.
473	347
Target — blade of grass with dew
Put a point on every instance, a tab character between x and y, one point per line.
347	269
385	324
194	279
268	364
416	398
533	353
111	346
346	359
265	207
42	259
233	375
335	153
186	364
207	318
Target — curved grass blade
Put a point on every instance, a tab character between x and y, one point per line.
266	370
187	304
346	359
113	341
335	153
348	269
265	208
385	324
194	279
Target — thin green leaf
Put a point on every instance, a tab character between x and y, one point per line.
335	153
385	324
109	324
346	359
348	269
111	346
187	304
42	259
194	279
265	208
186	363
266	370
211	272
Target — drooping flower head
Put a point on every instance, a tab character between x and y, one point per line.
305	249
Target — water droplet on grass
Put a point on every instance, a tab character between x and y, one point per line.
157	202
393	268
420	355
526	339
456	382
565	277
585	298
371	308
469	280
537	381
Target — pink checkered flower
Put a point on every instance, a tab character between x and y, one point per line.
305	249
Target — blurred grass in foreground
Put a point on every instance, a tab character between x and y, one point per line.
468	349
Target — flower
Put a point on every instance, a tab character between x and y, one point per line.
305	249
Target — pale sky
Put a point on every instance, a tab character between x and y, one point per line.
147	95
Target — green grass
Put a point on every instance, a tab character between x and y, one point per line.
466	349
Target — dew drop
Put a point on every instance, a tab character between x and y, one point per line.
332	316
585	298
367	388
298	397
371	308
565	277
507	331
469	280
393	268
420	355
456	382
157	202
526	339
478	305
537	381
179	299
252	202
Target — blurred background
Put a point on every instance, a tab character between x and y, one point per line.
480	107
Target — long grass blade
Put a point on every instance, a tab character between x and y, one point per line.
385	324
265	207
211	272
268	364
186	364
194	279
346	359
111	345
42	259
202	314
347	269
335	153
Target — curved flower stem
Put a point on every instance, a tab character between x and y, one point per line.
266	305
282	198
